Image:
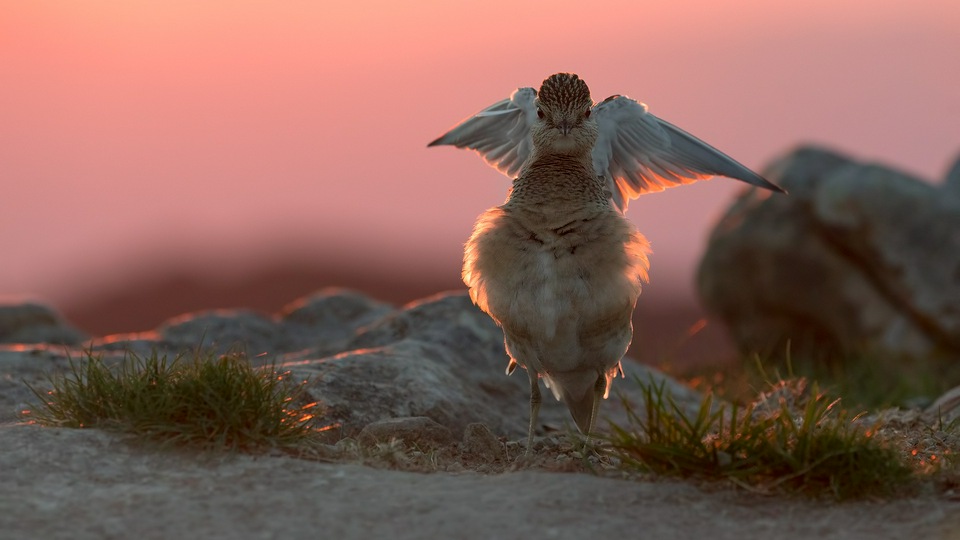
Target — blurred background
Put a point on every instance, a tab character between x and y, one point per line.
162	157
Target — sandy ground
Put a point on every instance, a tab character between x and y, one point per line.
80	484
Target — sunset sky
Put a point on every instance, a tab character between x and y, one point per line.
135	134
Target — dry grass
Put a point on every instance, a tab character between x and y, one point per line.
202	401
788	441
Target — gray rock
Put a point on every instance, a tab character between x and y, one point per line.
328	320
480	443
443	358
945	409
418	431
439	358
951	183
412	378
35	323
141	344
324	323
334	308
856	257
22	365
447	319
222	330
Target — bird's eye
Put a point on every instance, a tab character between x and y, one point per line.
587	114
539	113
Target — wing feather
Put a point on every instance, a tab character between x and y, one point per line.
500	133
639	153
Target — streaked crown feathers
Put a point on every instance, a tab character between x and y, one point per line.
564	91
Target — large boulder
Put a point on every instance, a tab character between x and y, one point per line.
858	257
952	181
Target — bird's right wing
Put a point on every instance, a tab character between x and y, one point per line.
500	133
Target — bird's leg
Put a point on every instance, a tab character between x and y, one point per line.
599	389
534	407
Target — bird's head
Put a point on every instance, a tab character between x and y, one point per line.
563	109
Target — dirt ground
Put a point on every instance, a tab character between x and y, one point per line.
79	484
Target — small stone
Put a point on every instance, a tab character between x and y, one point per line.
479	442
418	431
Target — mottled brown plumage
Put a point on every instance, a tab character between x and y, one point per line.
557	266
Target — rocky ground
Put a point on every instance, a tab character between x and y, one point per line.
437	365
81	484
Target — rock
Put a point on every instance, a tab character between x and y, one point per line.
222	330
324	322
22	365
857	257
357	388
141	344
951	183
35	323
417	431
364	362
480	443
443	358
447	319
328	319
946	408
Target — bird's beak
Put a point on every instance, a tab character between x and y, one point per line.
565	127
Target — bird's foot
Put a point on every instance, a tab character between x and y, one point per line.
578	445
524	454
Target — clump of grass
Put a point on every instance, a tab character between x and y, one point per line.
865	380
811	447
202	400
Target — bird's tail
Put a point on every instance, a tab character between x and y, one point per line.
582	391
582	409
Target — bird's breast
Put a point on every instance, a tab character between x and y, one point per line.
554	284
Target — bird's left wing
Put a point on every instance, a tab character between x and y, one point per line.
500	133
639	153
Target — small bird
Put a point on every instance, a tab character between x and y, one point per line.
558	266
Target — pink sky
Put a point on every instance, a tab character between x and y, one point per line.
230	132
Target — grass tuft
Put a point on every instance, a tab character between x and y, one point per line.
807	445
202	401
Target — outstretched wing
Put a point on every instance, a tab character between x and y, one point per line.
500	133
638	153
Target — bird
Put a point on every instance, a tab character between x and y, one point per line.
558	266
